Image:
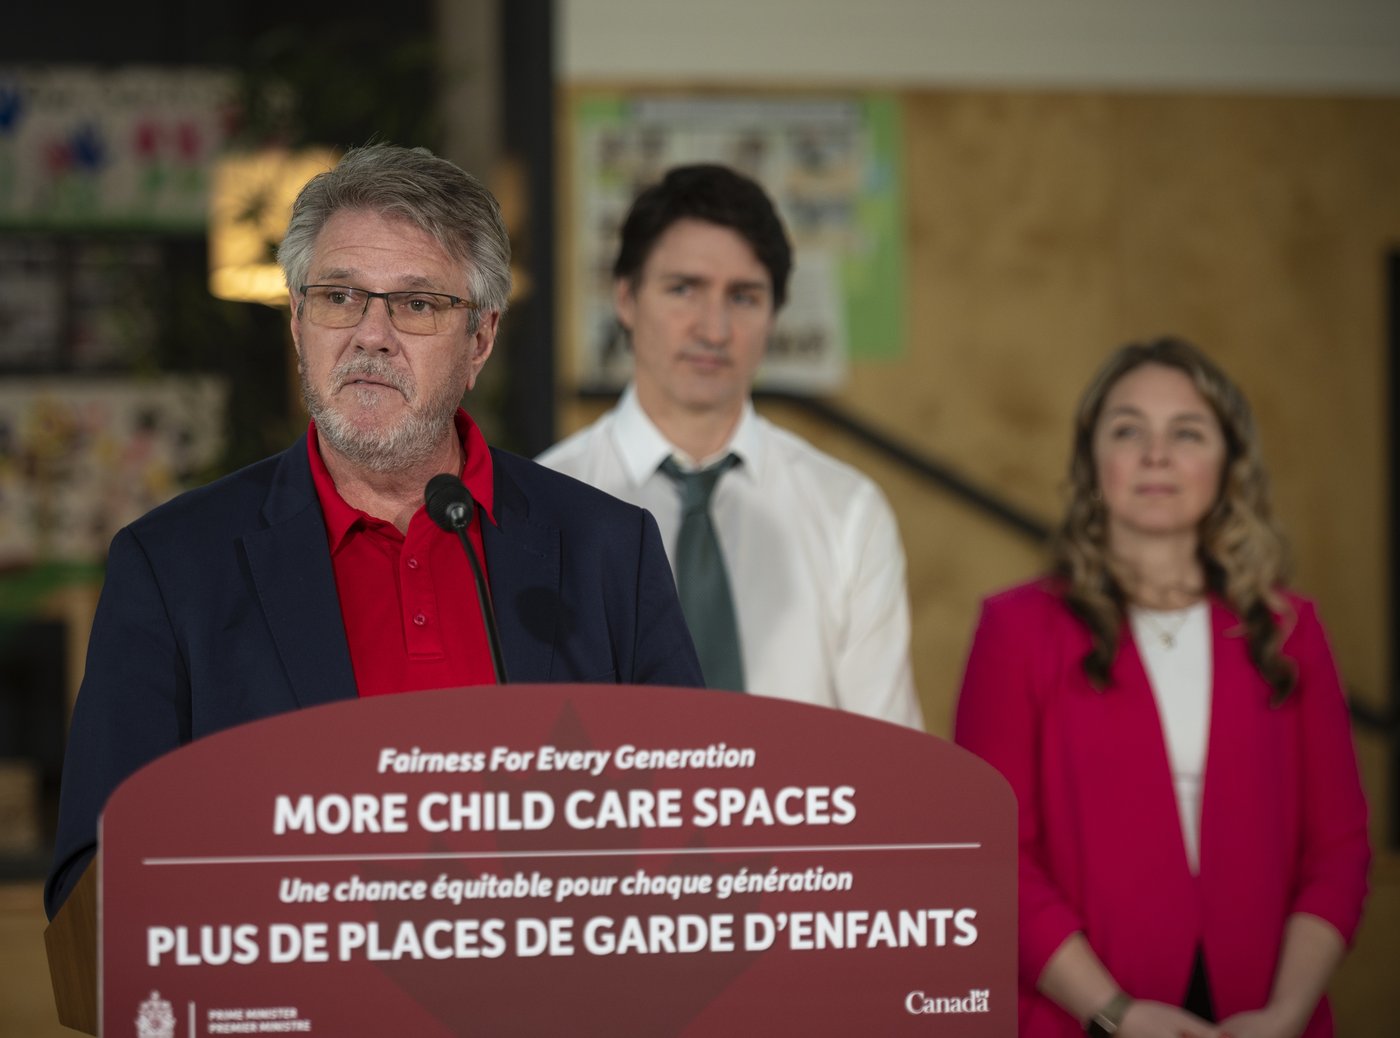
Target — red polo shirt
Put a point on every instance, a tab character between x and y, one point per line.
408	601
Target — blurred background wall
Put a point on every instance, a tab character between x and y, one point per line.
1071	174
1077	174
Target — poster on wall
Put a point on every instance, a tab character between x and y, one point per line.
125	148
85	304
80	458
832	166
31	303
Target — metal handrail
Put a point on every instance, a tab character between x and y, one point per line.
978	497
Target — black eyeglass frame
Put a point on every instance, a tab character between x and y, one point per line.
455	302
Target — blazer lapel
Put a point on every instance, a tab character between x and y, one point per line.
1149	739
1230	752
522	566
292	572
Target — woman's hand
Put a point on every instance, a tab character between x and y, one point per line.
1269	1022
1159	1020
1312	947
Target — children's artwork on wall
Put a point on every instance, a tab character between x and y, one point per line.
124	148
80	458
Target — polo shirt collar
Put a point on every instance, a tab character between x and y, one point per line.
341	517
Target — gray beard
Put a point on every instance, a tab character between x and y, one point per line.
409	443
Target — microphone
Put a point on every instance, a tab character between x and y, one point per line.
449	504
451	507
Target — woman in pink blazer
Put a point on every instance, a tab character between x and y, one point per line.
1192	826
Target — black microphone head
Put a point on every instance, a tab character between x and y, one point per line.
449	504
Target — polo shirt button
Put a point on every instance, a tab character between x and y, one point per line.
412	563
421	620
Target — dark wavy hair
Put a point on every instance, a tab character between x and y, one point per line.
1239	545
715	194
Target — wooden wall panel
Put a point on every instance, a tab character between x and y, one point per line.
1045	229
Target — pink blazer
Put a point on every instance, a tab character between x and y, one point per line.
1283	826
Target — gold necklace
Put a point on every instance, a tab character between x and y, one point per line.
1166	635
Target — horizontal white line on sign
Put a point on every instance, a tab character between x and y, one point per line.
633	852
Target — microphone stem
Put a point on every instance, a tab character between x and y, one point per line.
488	613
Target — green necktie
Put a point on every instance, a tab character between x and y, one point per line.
701	578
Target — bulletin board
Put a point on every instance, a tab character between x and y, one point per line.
832	163
85	456
115	149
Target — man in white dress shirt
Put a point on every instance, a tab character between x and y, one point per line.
809	546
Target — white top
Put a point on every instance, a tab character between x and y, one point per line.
1175	650
814	556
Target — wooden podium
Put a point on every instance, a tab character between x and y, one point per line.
657	860
71	943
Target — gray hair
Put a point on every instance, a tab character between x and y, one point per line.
414	184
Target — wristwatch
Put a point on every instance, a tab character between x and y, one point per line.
1107	1020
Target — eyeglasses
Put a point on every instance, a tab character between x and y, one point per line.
415	313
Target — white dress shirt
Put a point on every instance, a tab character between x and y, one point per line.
814	557
1175	650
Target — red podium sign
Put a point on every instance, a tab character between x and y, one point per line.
561	859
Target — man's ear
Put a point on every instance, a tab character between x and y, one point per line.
295	325
625	302
481	342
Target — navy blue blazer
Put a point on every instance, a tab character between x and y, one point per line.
220	607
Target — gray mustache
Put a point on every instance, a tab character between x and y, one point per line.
368	367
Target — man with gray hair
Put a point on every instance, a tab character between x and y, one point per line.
318	574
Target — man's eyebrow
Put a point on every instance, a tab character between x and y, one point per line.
761	286
421	281
347	276
703	279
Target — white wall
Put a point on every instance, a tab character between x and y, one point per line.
1268	46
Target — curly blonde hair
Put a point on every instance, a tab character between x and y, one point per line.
1240	547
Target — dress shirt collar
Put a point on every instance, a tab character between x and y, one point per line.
643	447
